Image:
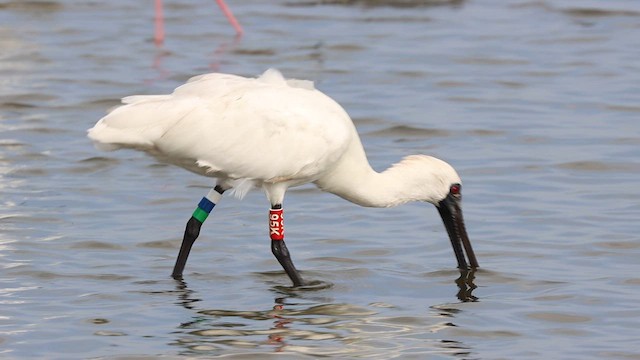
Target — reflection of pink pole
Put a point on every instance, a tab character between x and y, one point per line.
159	33
229	15
159	20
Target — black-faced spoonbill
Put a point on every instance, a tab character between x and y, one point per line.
274	133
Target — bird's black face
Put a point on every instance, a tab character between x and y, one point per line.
451	213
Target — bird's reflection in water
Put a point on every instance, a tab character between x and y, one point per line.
308	321
186	296
280	322
466	285
238	328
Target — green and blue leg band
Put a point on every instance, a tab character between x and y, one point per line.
206	205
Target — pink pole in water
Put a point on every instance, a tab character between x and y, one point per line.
230	17
159	24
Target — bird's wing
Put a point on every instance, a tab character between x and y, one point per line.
261	131
143	119
224	125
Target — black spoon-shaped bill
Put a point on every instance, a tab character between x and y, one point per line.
451	212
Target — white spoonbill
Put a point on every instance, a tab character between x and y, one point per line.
274	133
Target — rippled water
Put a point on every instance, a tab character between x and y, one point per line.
536	103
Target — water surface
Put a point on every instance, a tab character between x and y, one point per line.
536	104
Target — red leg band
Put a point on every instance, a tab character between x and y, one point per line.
276	224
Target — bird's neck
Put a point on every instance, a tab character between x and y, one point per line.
355	180
374	190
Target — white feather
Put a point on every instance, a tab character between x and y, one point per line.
241	187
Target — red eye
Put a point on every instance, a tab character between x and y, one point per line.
455	189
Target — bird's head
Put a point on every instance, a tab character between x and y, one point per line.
437	182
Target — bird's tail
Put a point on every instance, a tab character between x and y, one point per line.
138	123
241	187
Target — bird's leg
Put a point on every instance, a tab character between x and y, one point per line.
193	227
278	247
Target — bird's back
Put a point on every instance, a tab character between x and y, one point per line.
265	128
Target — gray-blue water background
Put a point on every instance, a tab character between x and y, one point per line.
536	103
